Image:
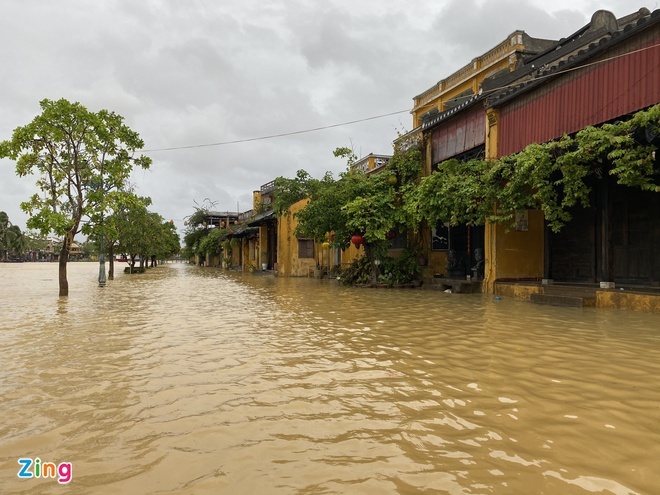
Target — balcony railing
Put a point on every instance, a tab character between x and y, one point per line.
268	187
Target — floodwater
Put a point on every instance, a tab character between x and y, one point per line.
187	380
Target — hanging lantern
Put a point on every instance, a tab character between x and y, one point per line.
357	239
392	180
326	245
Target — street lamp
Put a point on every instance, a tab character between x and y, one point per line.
102	278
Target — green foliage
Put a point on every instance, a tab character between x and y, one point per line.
144	233
354	203
5	235
347	153
402	269
211	243
194	236
458	193
12	240
357	202
357	273
551	177
79	157
290	191
406	165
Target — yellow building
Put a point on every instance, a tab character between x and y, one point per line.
297	257
552	95
451	117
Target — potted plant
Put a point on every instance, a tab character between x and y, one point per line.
318	272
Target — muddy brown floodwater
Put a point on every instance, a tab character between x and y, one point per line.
187	380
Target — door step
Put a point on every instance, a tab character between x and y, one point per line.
567	298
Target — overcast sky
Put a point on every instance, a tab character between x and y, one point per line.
185	73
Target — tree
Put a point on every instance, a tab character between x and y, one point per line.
197	229
5	233
169	243
79	157
12	240
353	204
132	227
18	242
113	226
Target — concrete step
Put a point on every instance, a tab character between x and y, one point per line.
570	290
566	300
459	286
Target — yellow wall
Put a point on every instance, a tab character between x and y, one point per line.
514	254
468	77
262	255
349	254
622	300
289	264
516	291
610	299
250	254
516	260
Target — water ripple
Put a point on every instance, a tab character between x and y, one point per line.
189	380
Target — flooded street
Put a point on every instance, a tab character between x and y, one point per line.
187	380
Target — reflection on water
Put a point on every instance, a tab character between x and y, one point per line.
195	381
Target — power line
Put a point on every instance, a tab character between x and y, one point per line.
272	136
565	71
314	129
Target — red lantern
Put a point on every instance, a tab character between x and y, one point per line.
357	239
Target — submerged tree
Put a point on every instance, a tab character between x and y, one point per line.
12	239
79	157
197	228
5	235
354	204
142	234
113	227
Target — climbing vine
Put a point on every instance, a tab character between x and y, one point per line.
551	177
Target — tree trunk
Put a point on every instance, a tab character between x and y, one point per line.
64	258
111	261
368	252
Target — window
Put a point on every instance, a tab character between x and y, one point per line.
398	238
440	237
305	248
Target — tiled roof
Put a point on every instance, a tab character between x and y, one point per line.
567	54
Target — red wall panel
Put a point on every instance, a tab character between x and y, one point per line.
461	133
585	97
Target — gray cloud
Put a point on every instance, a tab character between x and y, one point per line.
198	72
